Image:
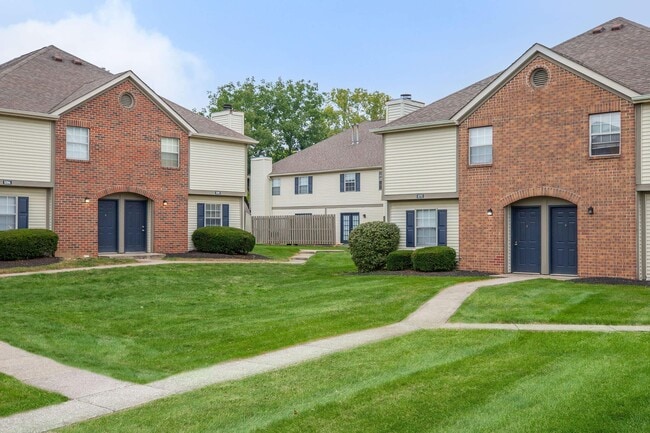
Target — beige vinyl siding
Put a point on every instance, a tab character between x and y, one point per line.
234	213
420	162
26	149
326	191
371	213
38	212
397	215
647	236
645	143
217	166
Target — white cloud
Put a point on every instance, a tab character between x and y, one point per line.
111	37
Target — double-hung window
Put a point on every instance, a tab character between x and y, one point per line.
8	213
425	227
605	134
303	185
76	143
275	187
169	152
349	182
480	145
213	215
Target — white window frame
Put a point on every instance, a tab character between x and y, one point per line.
276	186
303	184
212	215
480	146
434	227
77	143
605	125
5	208
349	182
170	152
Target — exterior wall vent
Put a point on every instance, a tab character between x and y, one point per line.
127	100
539	77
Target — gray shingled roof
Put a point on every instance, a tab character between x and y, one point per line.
622	56
337	153
36	82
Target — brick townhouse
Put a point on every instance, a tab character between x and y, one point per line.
107	163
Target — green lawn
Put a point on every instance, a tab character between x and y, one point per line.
17	397
142	324
436	381
284	252
552	301
67	264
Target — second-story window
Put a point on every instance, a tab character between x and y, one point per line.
605	134
303	184
480	145
350	182
76	146
169	152
275	187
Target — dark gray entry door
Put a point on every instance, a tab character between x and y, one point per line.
526	234
348	222
135	226
107	227
564	240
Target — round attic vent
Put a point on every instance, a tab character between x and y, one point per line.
539	77
126	100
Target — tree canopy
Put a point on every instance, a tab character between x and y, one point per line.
288	116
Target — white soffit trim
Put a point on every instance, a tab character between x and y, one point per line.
523	60
147	90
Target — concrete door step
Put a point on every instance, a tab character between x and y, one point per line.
137	256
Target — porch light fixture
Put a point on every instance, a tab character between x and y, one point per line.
590	210
489	212
86	200
164	202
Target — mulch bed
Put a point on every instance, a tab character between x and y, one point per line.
199	255
428	274
605	280
4	264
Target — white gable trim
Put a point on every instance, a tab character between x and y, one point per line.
146	89
553	56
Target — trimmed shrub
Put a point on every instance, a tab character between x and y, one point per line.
23	244
399	260
223	240
370	244
434	259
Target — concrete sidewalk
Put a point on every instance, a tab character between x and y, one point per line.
94	395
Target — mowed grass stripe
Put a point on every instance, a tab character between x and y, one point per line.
16	397
430	381
143	324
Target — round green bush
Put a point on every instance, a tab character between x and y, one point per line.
399	260
223	240
23	244
370	244
434	259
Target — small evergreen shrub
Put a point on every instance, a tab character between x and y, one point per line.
434	259
399	260
370	244
23	244
223	240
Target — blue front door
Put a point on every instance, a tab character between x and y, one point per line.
526	234
348	222
564	240
107	226
135	226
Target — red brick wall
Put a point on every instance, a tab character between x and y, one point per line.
541	147
124	157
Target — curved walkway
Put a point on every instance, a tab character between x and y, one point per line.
93	395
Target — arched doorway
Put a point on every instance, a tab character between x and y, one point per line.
124	223
541	235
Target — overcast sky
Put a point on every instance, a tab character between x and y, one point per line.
183	49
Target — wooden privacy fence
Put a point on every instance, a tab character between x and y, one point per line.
295	229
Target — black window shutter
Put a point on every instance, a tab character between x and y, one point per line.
357	181
442	226
342	182
200	215
410	228
311	184
23	212
225	215
295	184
